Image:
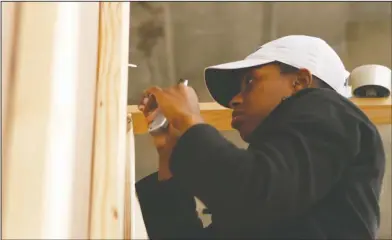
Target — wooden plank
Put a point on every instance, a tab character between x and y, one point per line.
73	90
135	229
109	154
49	136
378	110
10	18
10	13
129	180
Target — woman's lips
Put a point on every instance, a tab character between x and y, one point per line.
237	120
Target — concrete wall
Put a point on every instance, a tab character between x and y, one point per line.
173	40
178	40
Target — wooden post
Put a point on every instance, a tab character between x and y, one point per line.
134	229
48	142
10	19
109	154
129	178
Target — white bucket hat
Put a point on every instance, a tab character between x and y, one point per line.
298	51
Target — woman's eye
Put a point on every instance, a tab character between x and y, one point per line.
248	82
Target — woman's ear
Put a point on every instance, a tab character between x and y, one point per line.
304	79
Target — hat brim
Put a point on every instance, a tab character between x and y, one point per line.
221	80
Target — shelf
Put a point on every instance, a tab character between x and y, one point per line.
378	110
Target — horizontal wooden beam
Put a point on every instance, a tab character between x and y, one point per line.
378	110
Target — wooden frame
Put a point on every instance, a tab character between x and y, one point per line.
378	110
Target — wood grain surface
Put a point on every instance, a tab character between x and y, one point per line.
109	154
50	65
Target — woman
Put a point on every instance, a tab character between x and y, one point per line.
315	162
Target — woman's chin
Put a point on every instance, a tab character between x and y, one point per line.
243	128
244	134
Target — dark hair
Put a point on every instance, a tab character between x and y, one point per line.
287	69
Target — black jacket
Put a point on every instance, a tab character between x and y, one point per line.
313	170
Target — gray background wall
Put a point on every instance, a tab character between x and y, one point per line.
173	40
178	40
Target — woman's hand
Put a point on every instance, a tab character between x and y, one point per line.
164	141
180	105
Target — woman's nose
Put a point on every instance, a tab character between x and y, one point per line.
236	101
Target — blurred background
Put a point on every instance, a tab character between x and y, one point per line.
172	40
